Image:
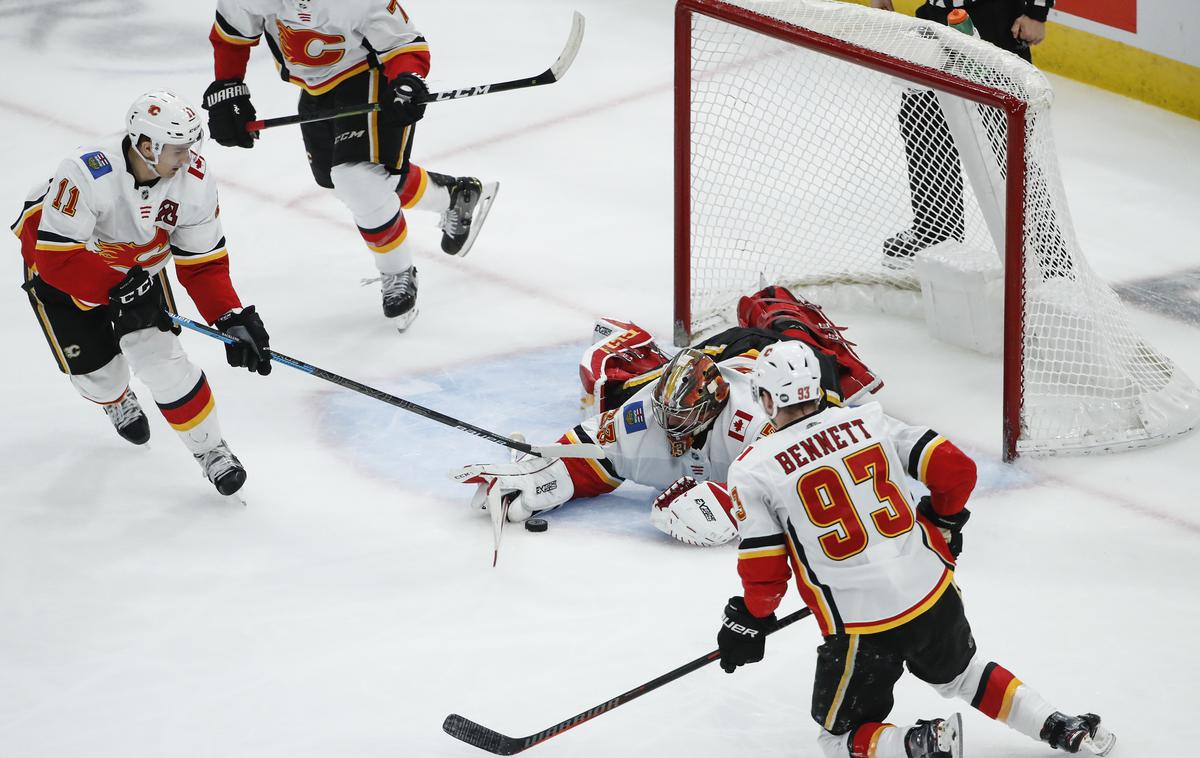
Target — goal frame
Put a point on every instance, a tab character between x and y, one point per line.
1014	110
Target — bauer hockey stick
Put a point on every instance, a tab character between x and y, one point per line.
549	76
544	451
492	741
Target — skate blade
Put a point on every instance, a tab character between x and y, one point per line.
1101	744
486	197
404	320
950	740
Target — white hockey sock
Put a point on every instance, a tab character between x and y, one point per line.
870	740
418	191
996	693
106	384
177	385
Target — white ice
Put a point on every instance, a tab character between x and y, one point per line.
352	604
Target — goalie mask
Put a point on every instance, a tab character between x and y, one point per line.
789	373
690	393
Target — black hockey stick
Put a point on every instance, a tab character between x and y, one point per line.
546	451
549	76
492	741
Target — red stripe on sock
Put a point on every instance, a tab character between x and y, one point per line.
866	737
387	234
993	694
195	403
413	182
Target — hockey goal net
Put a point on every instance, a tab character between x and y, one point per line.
810	134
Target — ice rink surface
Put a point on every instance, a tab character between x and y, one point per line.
352	604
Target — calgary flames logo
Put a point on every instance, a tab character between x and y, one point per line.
127	254
306	47
154	110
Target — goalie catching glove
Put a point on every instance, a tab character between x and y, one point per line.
539	484
694	512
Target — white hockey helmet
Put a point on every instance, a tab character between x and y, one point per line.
165	119
789	372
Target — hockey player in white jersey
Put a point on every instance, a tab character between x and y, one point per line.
95	241
343	53
676	425
826	497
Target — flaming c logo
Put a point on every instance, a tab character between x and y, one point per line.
309	48
153	110
128	254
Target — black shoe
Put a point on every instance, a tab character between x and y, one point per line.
470	201
939	738
1070	733
128	418
898	250
400	297
222	468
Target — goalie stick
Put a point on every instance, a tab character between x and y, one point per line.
549	76
544	451
480	736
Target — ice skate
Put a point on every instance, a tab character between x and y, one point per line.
400	297
939	738
470	201
128	418
222	468
1071	733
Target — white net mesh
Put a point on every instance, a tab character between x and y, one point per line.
812	170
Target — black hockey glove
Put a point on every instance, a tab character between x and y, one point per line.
252	344
136	303
408	94
950	526
743	636
229	110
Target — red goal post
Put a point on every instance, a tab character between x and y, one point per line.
779	60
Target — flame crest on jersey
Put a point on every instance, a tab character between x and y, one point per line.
128	254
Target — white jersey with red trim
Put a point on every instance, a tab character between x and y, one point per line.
637	448
316	44
829	495
93	200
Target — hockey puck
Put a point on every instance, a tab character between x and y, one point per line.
537	525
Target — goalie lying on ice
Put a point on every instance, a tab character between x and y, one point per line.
676	424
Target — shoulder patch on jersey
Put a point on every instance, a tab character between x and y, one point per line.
739	424
635	417
97	163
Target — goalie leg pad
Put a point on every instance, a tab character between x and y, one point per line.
695	513
777	309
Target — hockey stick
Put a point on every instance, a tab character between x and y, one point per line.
549	76
492	741
545	451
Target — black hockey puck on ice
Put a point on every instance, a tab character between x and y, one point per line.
537	525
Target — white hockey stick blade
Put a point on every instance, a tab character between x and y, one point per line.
567	57
595	452
499	516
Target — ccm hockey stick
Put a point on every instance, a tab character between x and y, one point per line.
545	451
549	76
492	741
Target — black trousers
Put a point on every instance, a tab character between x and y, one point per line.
82	341
364	138
856	673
